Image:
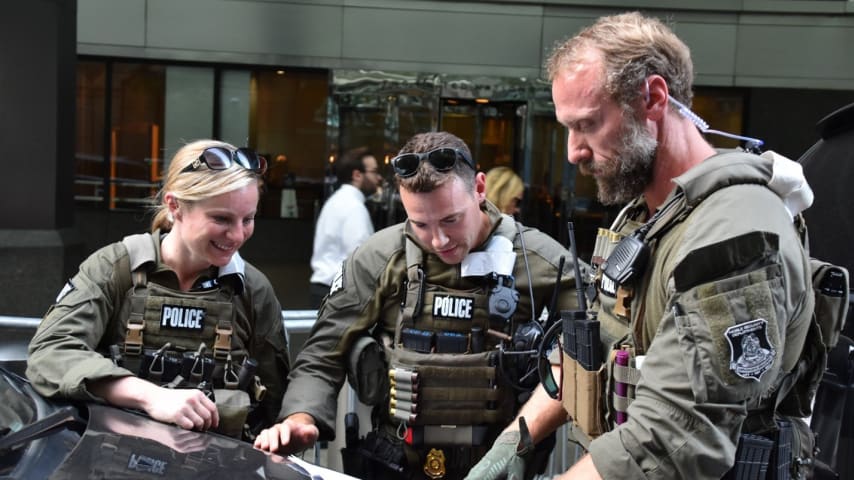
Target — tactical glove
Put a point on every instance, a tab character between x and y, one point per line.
506	458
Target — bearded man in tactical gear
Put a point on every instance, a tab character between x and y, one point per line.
445	295
710	260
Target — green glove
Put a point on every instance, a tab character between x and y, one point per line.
506	458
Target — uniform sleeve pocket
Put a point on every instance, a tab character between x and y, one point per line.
729	334
73	295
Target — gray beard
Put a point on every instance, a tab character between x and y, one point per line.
633	166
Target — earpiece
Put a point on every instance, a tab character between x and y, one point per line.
753	144
686	112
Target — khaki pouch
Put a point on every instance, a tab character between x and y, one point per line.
568	386
589	414
233	408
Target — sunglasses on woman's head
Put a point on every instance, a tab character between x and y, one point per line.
442	159
221	158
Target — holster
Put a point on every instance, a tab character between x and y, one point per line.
374	457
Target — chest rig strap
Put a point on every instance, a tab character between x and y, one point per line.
141	252
413	300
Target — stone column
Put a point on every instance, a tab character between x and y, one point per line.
39	246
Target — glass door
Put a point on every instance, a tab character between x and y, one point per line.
491	130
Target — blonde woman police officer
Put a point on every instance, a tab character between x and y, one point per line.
174	322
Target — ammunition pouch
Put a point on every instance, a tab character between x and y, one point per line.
159	366
830	283
447	389
235	391
233	407
752	458
367	371
589	400
782	454
582	396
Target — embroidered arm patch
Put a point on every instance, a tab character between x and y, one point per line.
751	352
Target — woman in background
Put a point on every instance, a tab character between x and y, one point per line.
504	189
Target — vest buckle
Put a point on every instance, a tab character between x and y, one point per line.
133	339
222	345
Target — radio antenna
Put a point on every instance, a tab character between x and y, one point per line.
553	313
579	284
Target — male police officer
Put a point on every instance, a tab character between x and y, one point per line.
441	291
725	269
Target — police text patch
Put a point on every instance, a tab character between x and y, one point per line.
183	318
751	353
449	306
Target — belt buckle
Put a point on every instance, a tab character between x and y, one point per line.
434	466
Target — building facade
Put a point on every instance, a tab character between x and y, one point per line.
109	89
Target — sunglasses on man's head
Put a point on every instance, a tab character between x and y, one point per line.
442	159
221	158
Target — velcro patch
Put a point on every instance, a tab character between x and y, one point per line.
608	286
720	259
450	306
68	288
751	353
337	282
182	318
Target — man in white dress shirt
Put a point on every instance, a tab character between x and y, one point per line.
344	221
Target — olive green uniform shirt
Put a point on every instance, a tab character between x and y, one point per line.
64	352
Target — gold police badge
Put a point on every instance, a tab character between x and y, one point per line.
434	466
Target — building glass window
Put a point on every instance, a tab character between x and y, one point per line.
489	129
132	117
136	133
89	140
189	107
287	125
234	92
722	109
